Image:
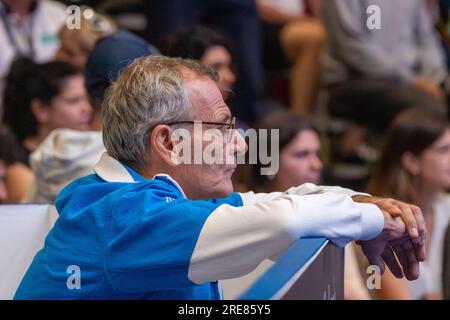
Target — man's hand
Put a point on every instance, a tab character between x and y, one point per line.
403	237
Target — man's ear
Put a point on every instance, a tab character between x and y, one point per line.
162	144
40	111
411	163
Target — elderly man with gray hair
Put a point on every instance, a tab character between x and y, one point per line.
146	226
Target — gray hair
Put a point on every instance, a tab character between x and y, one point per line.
149	92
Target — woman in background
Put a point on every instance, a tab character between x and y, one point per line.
42	97
415	167
299	163
38	99
299	153
208	46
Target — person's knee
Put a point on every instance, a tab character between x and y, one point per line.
303	34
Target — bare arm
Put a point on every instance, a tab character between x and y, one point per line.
18	180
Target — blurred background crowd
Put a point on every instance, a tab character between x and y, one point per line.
358	93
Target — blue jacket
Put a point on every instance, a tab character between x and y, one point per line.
120	236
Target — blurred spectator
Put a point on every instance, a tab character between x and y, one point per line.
236	19
292	30
110	55
29	28
376	65
300	163
42	97
14	176
65	154
299	153
415	168
440	9
208	46
404	50
76	44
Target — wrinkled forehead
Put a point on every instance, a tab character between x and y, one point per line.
207	101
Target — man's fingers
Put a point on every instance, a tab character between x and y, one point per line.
391	207
419	243
419	247
402	258
409	219
376	261
407	258
392	263
413	262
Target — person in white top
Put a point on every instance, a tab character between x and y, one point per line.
415	166
62	157
29	28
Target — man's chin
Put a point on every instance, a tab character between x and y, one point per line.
224	191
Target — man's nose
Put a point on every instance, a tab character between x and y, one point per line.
240	146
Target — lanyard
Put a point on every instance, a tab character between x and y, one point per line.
12	40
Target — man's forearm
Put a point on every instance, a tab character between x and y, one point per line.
234	240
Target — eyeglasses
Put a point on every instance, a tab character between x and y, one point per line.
230	126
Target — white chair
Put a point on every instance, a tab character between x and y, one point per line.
23	229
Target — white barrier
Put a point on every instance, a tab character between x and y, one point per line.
23	229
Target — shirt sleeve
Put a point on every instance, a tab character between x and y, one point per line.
159	245
234	240
251	198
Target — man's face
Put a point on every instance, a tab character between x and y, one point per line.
206	180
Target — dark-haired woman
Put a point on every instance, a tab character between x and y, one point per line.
42	97
38	99
300	163
299	153
208	46
415	167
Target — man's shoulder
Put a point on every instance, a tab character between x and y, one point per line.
144	197
88	190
